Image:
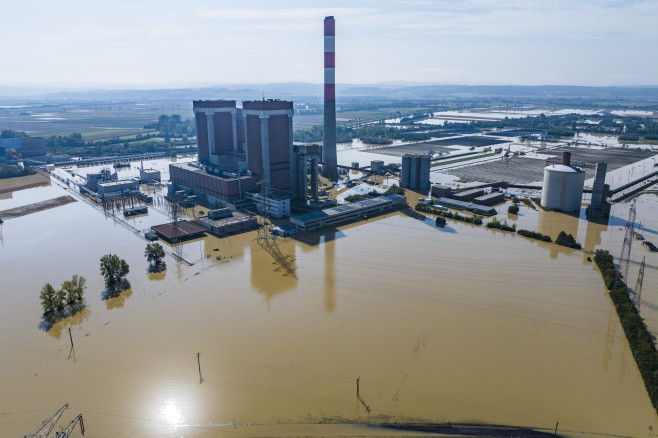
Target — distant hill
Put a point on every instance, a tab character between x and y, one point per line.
302	90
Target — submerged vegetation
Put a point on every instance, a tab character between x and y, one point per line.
114	270
393	190
636	331
14	171
65	301
502	225
476	220
534	235
154	253
567	240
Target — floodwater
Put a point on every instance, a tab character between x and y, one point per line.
460	324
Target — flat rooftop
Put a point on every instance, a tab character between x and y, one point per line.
236	218
186	230
347	208
521	170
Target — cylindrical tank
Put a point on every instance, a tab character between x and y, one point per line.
563	187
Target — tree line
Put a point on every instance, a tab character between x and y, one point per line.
68	299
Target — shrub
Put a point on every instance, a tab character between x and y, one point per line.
534	235
567	240
513	209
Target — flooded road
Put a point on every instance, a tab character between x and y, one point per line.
461	324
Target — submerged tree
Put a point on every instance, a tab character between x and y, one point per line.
113	269
49	297
74	289
154	253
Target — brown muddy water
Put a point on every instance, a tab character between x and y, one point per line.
460	324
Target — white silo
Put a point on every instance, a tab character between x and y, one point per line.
563	186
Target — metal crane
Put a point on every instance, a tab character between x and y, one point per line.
43	430
65	431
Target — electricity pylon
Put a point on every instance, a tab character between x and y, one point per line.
638	286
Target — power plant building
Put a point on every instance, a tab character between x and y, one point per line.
269	142
563	186
415	173
599	207
238	147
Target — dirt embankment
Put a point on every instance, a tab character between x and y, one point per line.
8	185
24	210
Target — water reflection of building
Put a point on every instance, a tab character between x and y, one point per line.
267	277
312	241
328	238
593	235
552	223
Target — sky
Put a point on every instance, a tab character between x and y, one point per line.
173	43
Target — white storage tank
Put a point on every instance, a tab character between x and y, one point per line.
563	187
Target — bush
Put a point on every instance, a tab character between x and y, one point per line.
394	190
534	235
567	240
421	206
501	225
513	209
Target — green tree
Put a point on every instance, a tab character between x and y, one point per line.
513	209
48	299
154	253
113	269
68	290
74	289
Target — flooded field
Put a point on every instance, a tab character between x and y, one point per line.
459	324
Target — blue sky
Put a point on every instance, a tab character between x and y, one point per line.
176	43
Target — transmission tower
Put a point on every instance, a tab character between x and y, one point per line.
625	256
265	238
174	214
638	286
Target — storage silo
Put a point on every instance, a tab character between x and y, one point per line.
563	187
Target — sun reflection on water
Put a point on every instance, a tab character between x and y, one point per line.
170	413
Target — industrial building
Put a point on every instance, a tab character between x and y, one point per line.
329	154
105	175
490	199
439	191
467	206
563	186
468	195
268	125
149	175
218	187
377	166
348	212
122	186
238	147
225	221
415	173
599	206
217	132
274	205
179	230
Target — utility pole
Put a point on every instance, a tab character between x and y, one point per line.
198	359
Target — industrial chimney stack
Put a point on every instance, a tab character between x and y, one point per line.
329	156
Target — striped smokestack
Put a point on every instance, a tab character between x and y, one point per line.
329	139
